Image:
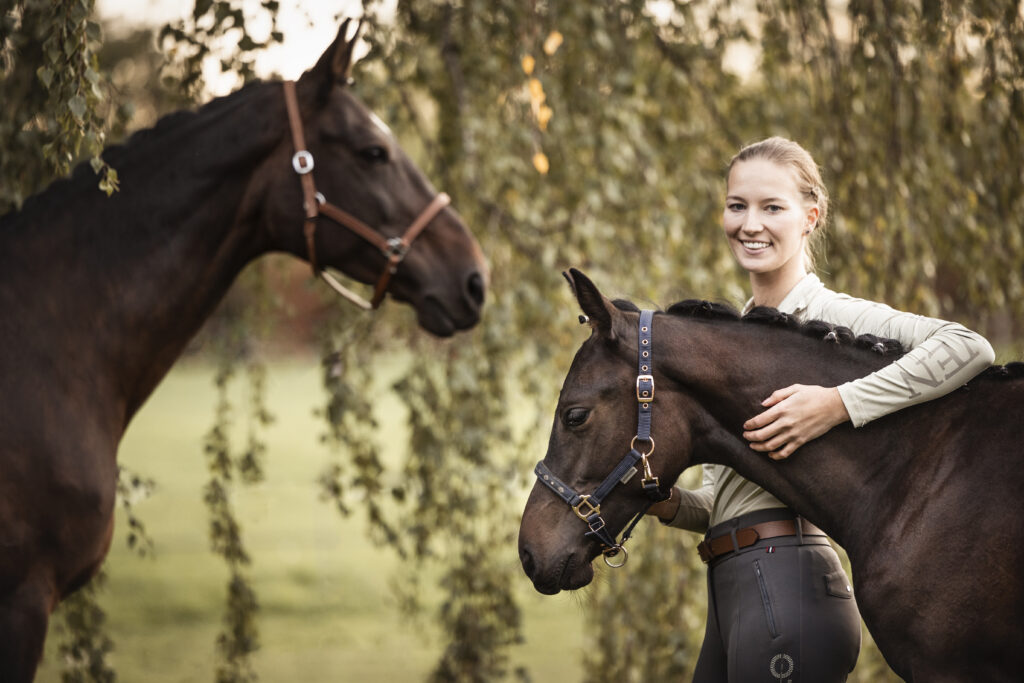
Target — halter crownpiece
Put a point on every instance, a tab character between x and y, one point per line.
394	249
588	507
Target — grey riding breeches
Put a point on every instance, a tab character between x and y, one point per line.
781	611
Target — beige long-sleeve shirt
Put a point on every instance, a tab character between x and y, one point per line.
942	356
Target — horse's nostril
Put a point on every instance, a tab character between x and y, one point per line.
475	288
527	559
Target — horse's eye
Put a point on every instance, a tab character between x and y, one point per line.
375	154
576	417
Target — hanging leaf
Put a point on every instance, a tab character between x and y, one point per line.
540	162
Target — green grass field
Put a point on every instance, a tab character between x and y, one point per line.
327	612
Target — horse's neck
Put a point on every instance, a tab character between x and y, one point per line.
122	283
728	373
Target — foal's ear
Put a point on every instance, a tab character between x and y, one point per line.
603	316
335	64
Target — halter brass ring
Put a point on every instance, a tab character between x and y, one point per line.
632	445
612	552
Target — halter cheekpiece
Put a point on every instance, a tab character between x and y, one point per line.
394	249
588	507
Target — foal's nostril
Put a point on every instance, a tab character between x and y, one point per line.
475	288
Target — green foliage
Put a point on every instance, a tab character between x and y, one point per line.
240	635
448	509
226	463
605	148
55	104
85	646
593	135
130	489
657	587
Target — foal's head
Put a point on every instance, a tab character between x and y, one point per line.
595	422
360	168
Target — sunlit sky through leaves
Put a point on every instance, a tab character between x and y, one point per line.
308	27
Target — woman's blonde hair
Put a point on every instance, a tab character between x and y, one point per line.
809	182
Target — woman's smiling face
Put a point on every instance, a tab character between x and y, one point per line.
766	218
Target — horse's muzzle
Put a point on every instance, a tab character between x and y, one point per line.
568	572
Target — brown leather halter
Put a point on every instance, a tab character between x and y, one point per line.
393	248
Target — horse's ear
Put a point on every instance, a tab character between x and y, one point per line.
335	64
602	314
567	274
341	67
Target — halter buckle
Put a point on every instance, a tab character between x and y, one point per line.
645	394
302	162
591	509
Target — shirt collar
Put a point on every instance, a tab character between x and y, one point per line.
797	299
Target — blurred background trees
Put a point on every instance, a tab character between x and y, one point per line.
594	135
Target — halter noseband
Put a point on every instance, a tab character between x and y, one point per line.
393	248
588	507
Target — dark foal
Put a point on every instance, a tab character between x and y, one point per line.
925	501
100	295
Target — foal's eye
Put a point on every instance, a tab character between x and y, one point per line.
575	417
374	154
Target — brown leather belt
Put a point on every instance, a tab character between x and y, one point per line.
720	545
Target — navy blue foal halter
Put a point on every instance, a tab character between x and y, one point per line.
588	507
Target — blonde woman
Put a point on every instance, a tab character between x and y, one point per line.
781	608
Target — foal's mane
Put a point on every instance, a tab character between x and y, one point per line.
772	317
816	329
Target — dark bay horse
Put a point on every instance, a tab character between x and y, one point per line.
926	501
99	296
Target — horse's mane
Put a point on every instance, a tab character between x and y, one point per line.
138	142
764	315
1014	370
173	121
817	329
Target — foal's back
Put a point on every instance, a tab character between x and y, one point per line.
943	573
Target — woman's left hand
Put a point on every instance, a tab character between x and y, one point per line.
794	416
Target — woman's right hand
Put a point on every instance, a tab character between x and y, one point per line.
794	416
666	510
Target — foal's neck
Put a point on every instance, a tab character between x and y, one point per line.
729	368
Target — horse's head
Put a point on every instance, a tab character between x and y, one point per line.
594	429
438	267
